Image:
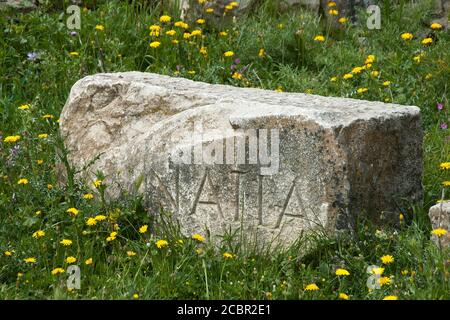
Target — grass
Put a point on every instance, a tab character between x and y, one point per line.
131	262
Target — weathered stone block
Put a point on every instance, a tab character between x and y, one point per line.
21	5
221	157
440	219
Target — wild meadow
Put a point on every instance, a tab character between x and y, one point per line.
47	225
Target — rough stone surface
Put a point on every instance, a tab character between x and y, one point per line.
345	7
440	218
442	13
23	5
195	10
338	158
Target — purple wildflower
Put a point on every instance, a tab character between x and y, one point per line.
233	67
73	33
440	106
15	151
444	126
237	61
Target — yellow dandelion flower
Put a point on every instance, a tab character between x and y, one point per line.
24	107
155	28
357	70
439	232
407	36
343	296
342	272
154	33
23	181
181	24
161	244
143	229
11	139
100	27
198	237
131	253
71	259
203	51
171	33
343	20
333	79
390	298
88	262
333	12
319	38
66	242
370	59
155	44
261	53
97	183
74	54
237	76
387	259
223	34
165	19
57	271
311	287
375	73
331	4
387	83
72	211
384	281
427	41
377	271
228	54
112	236
362	90
135	296
40	161
436	26
91	222
88	196
209	10
348	76
8	253
200	21
30	260
38	234
196	32
445	166
446	184
228	255
48	116
100	217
